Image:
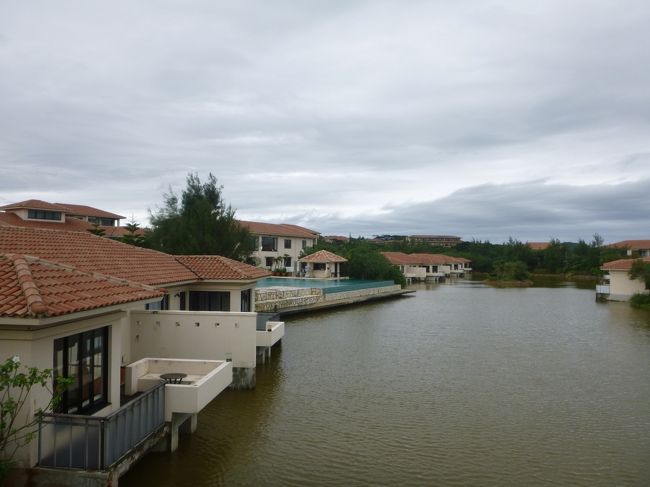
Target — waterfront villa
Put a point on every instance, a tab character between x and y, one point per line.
640	248
278	246
617	284
148	338
321	264
62	216
420	267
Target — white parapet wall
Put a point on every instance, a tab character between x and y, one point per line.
361	294
200	335
274	299
288	300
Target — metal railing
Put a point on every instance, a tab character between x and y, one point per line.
602	288
262	318
98	442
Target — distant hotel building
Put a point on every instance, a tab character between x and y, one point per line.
279	246
437	240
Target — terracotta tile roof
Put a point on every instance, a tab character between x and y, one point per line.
278	229
218	268
632	244
70	223
90	253
538	245
323	256
84	210
32	287
33	205
400	258
621	264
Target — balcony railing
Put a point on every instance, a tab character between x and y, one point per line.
602	288
98	442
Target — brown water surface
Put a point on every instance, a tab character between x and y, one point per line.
461	384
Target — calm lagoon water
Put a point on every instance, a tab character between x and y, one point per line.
460	384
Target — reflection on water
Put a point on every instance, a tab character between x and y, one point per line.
460	384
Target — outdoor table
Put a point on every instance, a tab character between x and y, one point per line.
173	377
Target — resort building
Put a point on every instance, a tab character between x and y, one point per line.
321	264
278	246
538	245
640	248
148	339
422	267
617	284
436	240
62	216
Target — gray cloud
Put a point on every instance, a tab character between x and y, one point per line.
348	109
533	211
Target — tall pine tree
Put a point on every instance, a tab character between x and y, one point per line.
200	222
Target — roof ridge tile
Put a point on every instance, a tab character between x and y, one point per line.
35	304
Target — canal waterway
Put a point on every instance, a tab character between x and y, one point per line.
459	384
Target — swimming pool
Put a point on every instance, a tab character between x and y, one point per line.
328	286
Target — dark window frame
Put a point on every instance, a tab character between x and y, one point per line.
44	215
269	244
89	397
209	301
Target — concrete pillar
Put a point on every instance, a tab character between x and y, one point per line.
189	425
243	378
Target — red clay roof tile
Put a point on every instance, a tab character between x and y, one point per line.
279	229
32	287
323	256
216	267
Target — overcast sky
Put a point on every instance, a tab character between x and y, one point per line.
478	118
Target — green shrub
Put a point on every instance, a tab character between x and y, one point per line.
641	301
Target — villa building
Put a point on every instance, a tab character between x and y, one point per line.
422	267
278	246
617	284
120	321
640	248
62	216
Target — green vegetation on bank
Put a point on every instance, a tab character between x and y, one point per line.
641	301
510	261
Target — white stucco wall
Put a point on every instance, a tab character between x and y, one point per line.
621	287
36	349
293	252
175	334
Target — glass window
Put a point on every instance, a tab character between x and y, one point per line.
269	244
43	215
287	261
269	262
209	301
287	243
162	305
246	300
304	244
84	359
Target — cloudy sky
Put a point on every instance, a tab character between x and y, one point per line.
479	118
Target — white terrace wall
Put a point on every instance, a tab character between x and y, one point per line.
206	335
621	287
